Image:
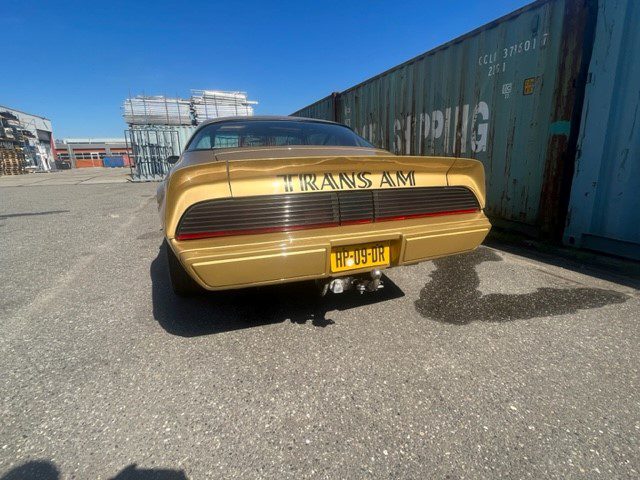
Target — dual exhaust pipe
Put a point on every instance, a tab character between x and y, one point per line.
360	283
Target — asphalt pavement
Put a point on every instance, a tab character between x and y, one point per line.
484	365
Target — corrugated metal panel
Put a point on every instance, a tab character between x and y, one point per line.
506	94
605	196
30	121
324	108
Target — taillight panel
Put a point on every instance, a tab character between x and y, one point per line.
281	213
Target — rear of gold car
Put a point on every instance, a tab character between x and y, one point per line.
250	217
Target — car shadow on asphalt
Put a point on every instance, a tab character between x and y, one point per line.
217	312
453	295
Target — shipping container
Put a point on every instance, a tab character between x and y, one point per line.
325	108
605	196
508	94
113	162
93	162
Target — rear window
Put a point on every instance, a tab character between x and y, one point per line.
273	133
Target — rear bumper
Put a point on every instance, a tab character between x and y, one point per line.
252	260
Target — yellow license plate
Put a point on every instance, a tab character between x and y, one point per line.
353	257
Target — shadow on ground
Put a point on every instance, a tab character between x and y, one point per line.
216	312
45	470
623	271
31	214
453	295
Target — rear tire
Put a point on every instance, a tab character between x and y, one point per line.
183	285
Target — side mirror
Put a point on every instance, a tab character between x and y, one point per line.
172	159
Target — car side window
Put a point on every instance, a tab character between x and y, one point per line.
202	141
226	141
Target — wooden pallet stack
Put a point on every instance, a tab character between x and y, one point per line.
12	157
12	162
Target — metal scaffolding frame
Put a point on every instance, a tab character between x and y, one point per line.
160	126
150	148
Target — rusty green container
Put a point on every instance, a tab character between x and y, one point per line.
508	94
325	108
604	209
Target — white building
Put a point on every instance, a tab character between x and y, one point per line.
38	142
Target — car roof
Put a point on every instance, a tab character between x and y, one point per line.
267	117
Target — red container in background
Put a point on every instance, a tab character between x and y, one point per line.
94	162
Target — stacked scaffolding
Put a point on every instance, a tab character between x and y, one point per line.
157	110
201	106
207	104
160	126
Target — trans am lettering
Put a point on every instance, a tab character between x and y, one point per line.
306	182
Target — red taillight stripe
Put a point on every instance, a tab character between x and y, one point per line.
357	222
420	215
255	231
229	233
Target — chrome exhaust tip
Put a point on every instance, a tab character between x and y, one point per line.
338	285
359	283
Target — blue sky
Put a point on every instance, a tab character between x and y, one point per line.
75	62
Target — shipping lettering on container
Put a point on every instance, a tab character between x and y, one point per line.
497	61
458	130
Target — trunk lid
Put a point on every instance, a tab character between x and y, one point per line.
316	169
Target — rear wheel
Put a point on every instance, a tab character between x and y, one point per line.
183	285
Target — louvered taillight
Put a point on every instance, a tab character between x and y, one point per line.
282	213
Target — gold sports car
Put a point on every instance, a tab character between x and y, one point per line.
264	200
